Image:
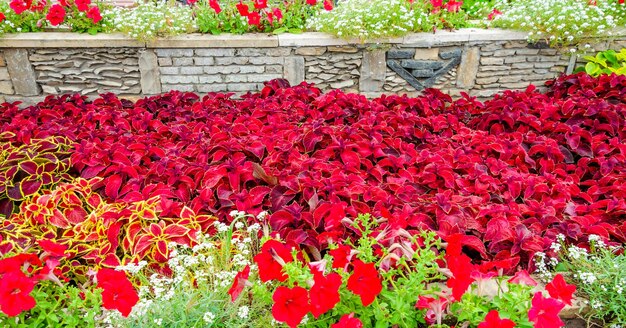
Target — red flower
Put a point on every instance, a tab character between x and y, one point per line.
436	3
348	321
240	282
278	13
82	5
260	4
453	6
324	293
15	288
215	5
495	12
436	305
20	6
243	9
271	259
94	14
56	15
52	248
38	6
492	320
621	2
328	5
290	305
544	312
18	263
559	289
341	256
522	277
461	268
2	17
254	19
365	282
118	292
311	2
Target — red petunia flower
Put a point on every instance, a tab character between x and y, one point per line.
348	321
328	5
118	292
522	278
271	259
94	14
240	282
495	12
215	6
2	17
243	9
544	312
311	2
325	292
436	305
493	320
561	290
461	267
38	6
20	6
15	288
341	256
82	5
290	305
365	282
453	6
260	4
56	15
254	19
277	13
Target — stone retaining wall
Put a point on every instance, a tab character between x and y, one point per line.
480	62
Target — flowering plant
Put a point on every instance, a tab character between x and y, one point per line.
561	22
388	18
216	17
204	287
33	15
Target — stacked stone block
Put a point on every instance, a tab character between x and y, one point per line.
220	70
334	67
6	87
88	71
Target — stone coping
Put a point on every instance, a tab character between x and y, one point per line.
196	40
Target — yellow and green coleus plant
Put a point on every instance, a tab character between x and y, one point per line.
606	62
28	168
97	233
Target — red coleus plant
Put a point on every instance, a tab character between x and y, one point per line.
510	173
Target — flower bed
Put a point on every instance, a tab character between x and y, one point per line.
106	183
577	21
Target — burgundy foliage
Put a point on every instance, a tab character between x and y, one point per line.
510	173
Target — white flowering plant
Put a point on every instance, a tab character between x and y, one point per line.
150	20
561	22
388	18
598	272
196	293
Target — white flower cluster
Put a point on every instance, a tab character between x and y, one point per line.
132	268
560	22
151	19
586	277
369	19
